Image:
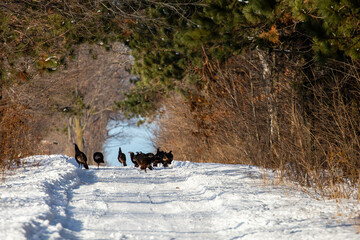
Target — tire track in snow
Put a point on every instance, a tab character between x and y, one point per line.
153	196
73	225
188	201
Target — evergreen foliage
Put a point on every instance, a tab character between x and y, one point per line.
171	49
333	25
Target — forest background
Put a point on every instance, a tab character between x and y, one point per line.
271	83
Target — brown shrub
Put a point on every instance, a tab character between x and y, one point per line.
308	130
17	139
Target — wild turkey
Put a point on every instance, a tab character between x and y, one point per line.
144	160
158	158
122	157
133	159
168	158
80	157
98	158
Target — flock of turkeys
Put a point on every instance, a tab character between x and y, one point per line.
142	160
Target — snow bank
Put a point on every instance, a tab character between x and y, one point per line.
33	198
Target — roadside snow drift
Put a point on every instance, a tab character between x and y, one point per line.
56	200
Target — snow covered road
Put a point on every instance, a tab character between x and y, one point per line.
187	201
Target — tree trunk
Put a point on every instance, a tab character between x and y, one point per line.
76	131
254	110
79	133
267	75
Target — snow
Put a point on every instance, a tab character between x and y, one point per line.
57	200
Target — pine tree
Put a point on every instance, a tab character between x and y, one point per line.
333	25
171	49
